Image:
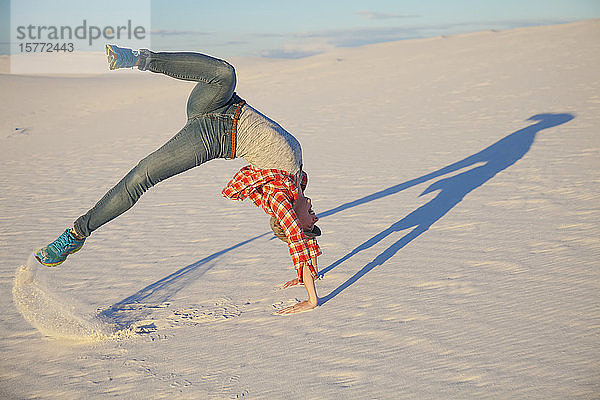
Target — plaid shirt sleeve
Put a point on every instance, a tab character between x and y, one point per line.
302	249
273	191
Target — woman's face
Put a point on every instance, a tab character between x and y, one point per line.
305	213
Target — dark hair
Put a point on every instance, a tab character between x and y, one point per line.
278	230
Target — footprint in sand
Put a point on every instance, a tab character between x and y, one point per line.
211	311
280	305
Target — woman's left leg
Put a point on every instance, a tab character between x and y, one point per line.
204	138
195	144
199	141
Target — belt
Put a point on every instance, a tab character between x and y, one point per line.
236	117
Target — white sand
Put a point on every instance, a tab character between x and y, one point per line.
497	299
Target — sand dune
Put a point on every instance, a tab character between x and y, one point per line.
456	179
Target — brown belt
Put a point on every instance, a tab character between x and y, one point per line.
236	117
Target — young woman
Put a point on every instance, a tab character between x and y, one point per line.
220	125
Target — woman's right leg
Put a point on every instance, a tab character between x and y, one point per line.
202	139
195	144
216	78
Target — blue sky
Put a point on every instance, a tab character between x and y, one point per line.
280	28
292	29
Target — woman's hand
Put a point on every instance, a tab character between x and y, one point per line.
306	305
297	308
291	283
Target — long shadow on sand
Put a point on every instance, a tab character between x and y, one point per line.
137	306
483	166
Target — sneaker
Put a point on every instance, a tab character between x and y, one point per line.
121	57
56	252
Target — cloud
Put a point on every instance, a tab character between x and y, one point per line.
236	42
362	36
175	32
287	53
298	48
293	45
305	44
383	15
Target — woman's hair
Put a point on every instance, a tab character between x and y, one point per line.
278	230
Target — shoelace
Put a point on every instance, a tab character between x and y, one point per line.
125	57
63	243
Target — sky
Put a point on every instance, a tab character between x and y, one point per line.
280	28
295	29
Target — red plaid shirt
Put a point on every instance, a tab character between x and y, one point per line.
276	191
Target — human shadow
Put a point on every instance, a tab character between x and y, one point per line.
484	165
139	305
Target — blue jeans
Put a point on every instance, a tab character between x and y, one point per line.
207	134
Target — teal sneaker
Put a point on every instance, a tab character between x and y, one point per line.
121	57
56	252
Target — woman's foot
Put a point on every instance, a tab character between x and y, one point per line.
56	252
121	57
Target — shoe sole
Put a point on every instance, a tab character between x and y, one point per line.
49	264
58	263
112	60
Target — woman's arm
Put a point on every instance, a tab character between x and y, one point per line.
313	298
296	281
